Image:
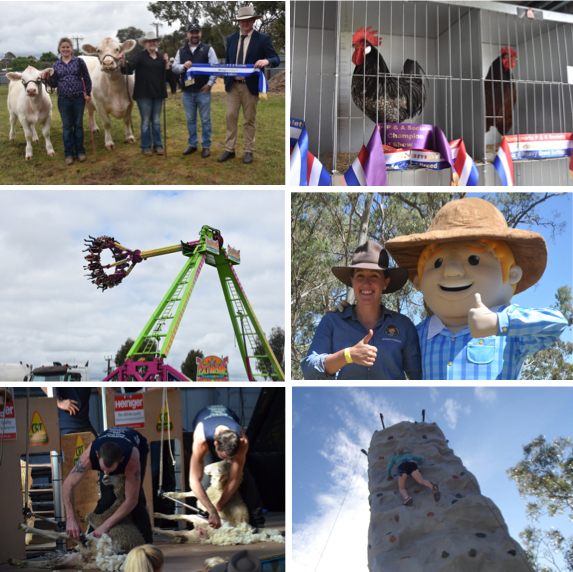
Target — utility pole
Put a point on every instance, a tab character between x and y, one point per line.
77	39
157	26
108	359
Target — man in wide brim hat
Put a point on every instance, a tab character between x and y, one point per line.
474	219
468	265
251	49
245	13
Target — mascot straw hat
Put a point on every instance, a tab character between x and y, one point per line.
474	219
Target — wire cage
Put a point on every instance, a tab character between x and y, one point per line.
454	50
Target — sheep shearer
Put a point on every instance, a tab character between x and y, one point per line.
117	451
218	435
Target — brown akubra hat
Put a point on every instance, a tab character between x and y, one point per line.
474	219
372	256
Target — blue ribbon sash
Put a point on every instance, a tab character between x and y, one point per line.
228	70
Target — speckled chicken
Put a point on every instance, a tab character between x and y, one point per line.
383	97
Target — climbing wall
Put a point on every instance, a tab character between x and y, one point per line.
462	532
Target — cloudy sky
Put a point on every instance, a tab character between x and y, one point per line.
486	428
51	312
47	22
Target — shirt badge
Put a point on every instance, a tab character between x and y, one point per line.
392	331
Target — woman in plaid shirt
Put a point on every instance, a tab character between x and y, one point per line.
72	79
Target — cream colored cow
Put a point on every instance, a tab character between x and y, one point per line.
110	87
29	102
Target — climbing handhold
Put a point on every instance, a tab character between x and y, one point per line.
445	554
431	514
481	535
379	494
454	501
391	437
462	473
369	547
380	458
392	539
424	437
442	444
459	496
472	553
455	477
512	552
397	518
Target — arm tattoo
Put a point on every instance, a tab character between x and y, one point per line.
136	476
80	466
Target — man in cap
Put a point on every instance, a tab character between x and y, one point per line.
468	265
196	91
245	47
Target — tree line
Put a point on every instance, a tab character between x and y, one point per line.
276	341
216	19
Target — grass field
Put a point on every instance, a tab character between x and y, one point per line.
126	165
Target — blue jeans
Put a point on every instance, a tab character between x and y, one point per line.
150	111
72	113
191	101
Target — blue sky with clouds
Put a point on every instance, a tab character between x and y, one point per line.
486	428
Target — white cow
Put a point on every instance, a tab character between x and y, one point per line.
29	101
110	87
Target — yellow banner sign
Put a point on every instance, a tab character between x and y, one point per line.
164	420
37	434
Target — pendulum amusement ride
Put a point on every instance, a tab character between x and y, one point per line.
145	360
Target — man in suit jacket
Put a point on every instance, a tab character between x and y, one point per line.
245	47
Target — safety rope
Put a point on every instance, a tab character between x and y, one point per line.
161	449
4	423
164	405
339	509
27	441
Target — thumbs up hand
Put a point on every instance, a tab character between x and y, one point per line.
364	354
482	322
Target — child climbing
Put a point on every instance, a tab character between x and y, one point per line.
407	465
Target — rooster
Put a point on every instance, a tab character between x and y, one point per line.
381	96
500	92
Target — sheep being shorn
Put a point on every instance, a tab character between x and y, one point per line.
235	509
235	528
106	553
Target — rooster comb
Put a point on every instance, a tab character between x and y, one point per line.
507	50
368	35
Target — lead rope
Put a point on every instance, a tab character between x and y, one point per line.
129	99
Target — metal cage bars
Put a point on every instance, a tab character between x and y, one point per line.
455	56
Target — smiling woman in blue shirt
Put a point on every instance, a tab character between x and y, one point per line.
366	341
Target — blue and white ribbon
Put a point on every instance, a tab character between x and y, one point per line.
230	70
